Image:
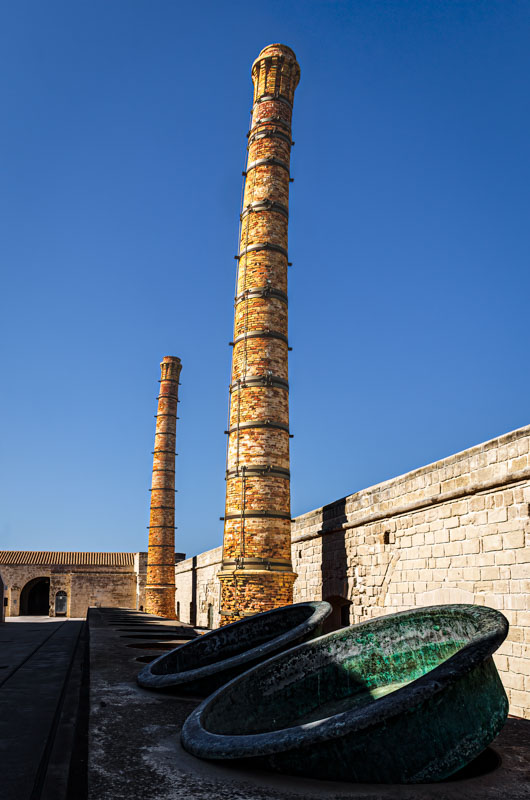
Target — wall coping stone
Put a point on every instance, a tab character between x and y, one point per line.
377	502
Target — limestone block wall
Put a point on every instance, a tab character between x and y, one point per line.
456	531
197	594
96	588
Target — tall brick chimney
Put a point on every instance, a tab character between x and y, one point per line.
160	586
257	572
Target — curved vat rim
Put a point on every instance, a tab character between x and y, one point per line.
148	679
203	743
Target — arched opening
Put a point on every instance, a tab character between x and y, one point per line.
210	615
340	613
35	598
60	604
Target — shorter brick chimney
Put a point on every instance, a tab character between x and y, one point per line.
160	586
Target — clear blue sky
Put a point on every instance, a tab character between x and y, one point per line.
122	141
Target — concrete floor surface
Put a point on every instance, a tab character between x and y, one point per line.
36	659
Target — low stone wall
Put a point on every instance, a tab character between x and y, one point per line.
456	531
197	589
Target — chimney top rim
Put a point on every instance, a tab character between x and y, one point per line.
277	45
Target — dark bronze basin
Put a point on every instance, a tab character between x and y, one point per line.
407	698
202	665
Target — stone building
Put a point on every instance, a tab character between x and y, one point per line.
46	583
456	531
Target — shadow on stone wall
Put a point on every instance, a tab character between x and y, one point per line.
193	603
335	565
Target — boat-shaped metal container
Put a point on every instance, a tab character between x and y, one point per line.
406	698
199	667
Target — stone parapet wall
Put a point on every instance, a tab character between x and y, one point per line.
456	531
197	589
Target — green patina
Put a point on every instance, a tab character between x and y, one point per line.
359	681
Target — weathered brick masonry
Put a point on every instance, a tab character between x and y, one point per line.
257	572
456	531
160	586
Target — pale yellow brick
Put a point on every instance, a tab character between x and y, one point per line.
513	540
492	542
471	546
487	559
516	601
472	573
521	666
497	515
501	662
489	573
523	446
518	463
477	503
501	587
504	557
520	571
519	698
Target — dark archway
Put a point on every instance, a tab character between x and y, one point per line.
35	598
340	614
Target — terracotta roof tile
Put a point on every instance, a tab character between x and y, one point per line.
64	558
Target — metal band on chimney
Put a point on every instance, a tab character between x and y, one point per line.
260	380
258	469
262	292
264	205
262	246
268	162
260	335
265	424
267	98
